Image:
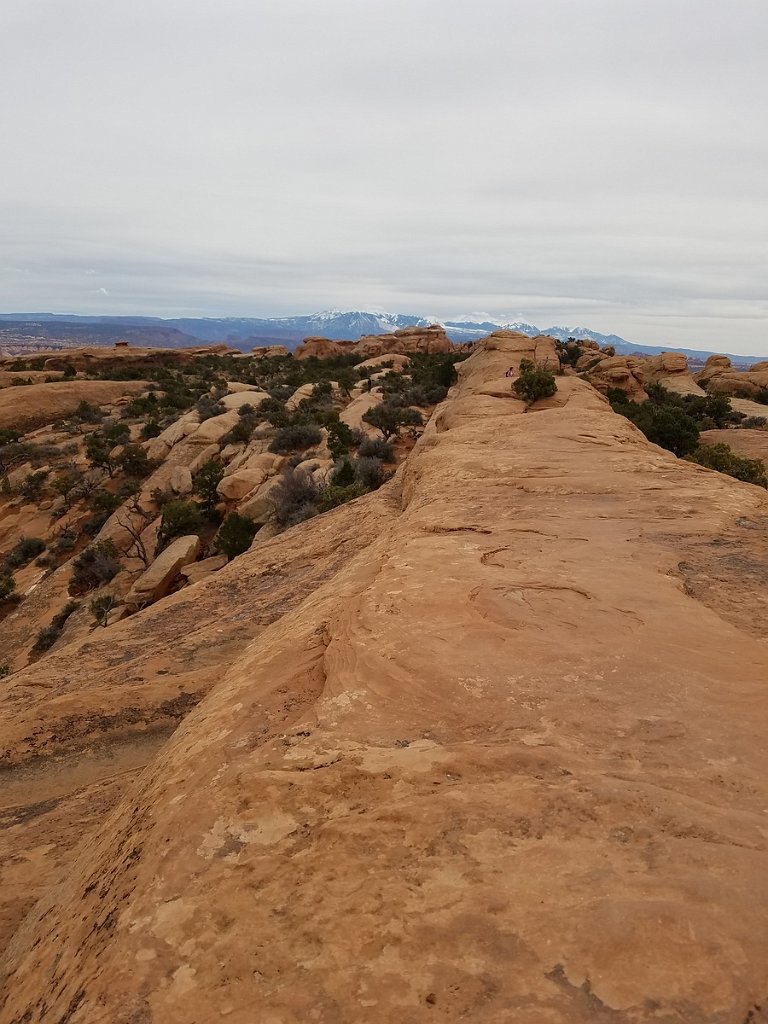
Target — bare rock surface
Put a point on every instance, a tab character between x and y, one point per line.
28	407
156	581
507	762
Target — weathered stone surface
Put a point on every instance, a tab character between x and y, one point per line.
158	578
354	412
393	360
28	407
238	399
235	486
618	372
180	481
197	571
260	505
213	429
517	739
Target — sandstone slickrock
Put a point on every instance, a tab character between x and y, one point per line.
507	765
158	578
27	407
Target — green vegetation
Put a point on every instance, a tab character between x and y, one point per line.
533	382
235	535
180	518
724	460
205	484
95	565
48	635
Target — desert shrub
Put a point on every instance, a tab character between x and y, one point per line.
390	418
7	585
344	474
762	396
32	486
142	405
64	542
23	552
376	448
753	422
151	429
667	425
208	406
46	638
206	481
370	471
180	518
5	671
294	437
95	565
101	607
48	635
235	535
134	462
69	372
242	431
8	436
295	497
724	460
534	382
87	413
339	438
334	495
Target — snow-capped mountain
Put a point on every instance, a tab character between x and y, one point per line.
337	324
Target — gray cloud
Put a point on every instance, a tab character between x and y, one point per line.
600	162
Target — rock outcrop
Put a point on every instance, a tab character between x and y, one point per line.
720	376
431	340
480	773
158	578
26	407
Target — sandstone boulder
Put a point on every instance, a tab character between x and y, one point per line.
236	486
353	414
180	481
260	505
156	581
196	571
320	348
215	428
396	360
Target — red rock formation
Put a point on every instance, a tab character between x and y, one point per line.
508	764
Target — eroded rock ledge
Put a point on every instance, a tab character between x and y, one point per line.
502	767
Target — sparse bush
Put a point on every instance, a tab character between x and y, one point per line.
180	518
334	496
24	551
295	497
370	471
534	382
32	485
235	535
390	418
95	565
205	484
101	608
753	422
7	585
134	462
64	542
208	406
5	671
376	448
344	474
151	429
46	638
48	635
294	437
242	431
724	460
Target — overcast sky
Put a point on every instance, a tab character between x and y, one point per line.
600	163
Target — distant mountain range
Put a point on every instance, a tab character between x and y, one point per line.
27	330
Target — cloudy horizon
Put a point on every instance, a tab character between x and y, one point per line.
599	164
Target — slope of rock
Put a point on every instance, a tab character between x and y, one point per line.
28	407
508	764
